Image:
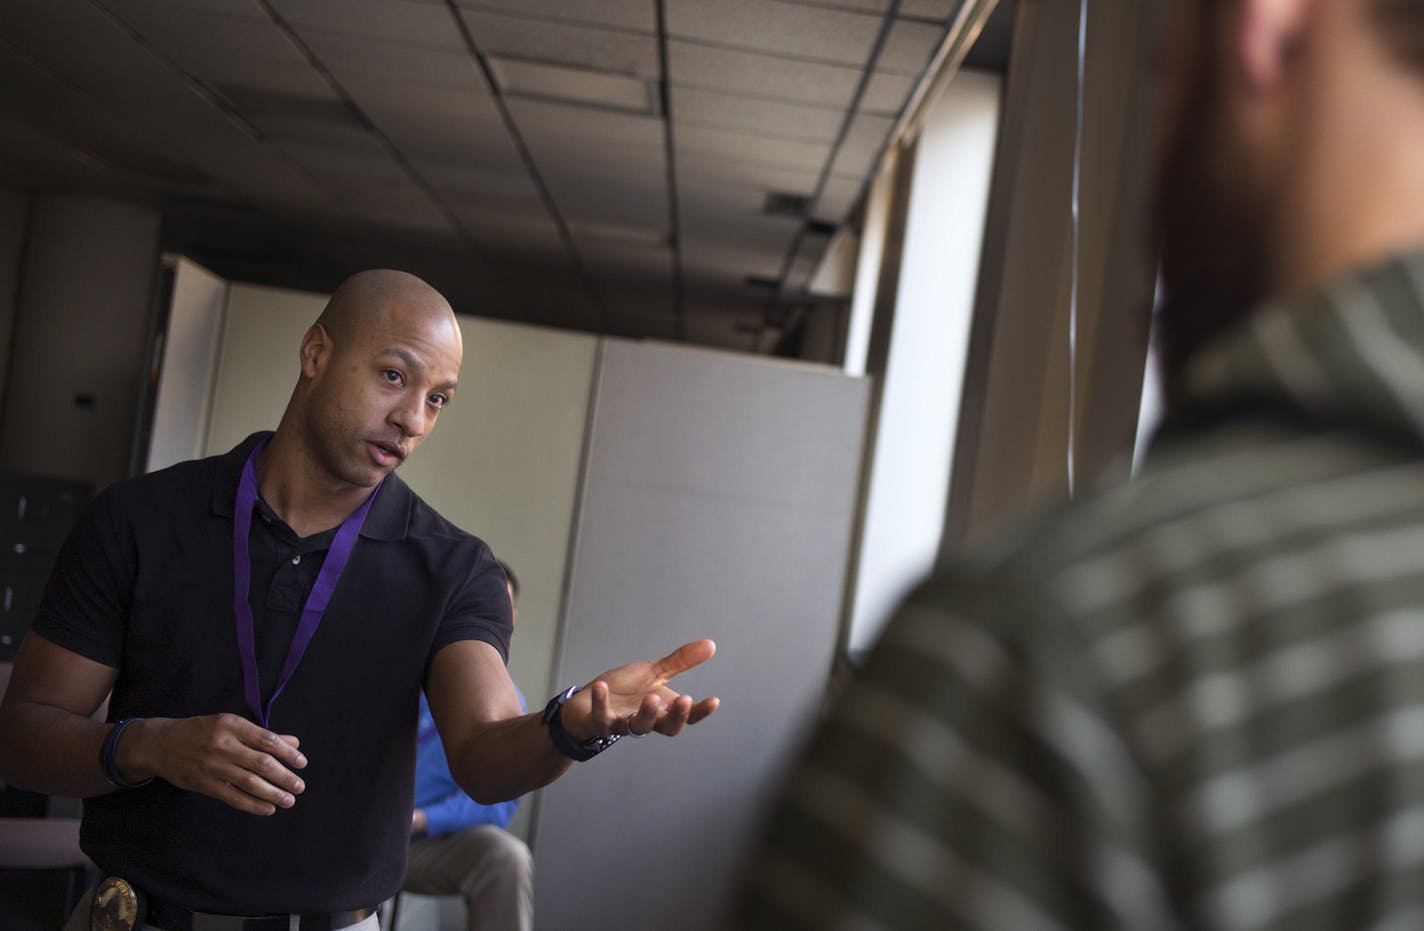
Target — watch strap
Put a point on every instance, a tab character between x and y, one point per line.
579	751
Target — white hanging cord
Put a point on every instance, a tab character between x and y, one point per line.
1073	288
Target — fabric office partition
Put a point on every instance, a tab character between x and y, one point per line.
717	501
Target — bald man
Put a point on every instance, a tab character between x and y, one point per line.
266	620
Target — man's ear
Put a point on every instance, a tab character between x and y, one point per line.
316	350
1270	34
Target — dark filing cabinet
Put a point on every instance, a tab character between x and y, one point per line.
36	514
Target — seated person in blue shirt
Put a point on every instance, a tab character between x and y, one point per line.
460	847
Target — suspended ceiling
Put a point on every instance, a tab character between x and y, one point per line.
654	168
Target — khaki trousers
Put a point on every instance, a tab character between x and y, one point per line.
491	868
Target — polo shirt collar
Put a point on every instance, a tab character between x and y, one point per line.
389	518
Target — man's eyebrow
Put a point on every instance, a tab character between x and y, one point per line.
412	363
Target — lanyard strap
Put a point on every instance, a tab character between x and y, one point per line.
316	602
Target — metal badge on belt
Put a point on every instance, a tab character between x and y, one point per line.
117	906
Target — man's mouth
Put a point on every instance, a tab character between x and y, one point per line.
390	450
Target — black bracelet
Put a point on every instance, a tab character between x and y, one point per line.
579	752
109	763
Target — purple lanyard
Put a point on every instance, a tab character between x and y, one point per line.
317	601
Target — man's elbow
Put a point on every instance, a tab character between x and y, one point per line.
483	789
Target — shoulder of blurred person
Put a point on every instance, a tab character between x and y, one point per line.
1154	705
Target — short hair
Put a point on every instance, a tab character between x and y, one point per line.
509	574
1401	26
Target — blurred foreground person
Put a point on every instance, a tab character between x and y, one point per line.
1195	701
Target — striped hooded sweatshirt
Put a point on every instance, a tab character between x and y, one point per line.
1194	700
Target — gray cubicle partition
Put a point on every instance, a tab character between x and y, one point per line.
717	501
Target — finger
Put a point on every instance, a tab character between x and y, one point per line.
258	785
675	720
647	717
600	712
282	747
702	709
684	658
240	789
271	771
240	800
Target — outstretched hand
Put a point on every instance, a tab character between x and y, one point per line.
635	699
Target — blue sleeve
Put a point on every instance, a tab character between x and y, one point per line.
457	811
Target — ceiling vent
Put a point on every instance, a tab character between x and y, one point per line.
783	204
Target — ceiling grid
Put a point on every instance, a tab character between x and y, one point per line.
640	167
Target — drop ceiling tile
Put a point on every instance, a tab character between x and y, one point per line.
463	180
353	59
645	310
37	98
726	229
837	199
854	6
887	93
694	107
715	173
579	126
521	216
32	146
614	261
862	145
737	72
409	215
438	124
541	80
631	208
697	194
908	47
394	100
589	161
297	80
58	30
360	162
598	49
192	36
939	10
244	9
789	153
403	23
636	15
780	28
328	134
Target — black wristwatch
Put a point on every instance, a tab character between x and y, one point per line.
562	741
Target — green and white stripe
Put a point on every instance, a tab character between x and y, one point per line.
1193	701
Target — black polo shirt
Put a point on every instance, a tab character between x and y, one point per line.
145	583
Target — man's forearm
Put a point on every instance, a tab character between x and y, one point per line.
47	749
506	759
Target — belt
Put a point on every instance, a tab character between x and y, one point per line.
170	917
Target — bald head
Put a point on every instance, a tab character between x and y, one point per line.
383	299
377	367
